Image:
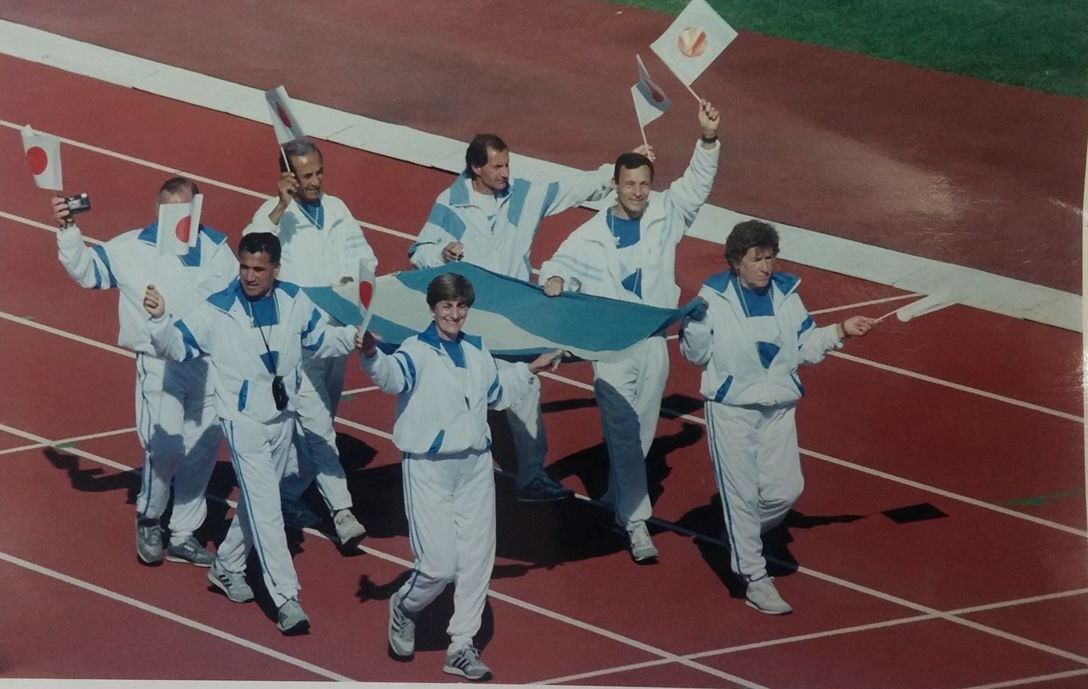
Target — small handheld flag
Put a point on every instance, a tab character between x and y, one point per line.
43	158
179	226
650	101
694	40
367	284
283	117
921	307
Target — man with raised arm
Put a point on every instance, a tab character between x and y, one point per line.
323	246
175	417
253	334
628	252
489	219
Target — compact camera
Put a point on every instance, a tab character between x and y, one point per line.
279	393
78	203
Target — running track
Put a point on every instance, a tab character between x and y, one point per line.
940	595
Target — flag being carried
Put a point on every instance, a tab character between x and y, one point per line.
284	121
43	158
694	40
650	101
178	226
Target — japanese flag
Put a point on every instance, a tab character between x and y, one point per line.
367	284
933	302
650	101
284	121
43	158
179	226
695	39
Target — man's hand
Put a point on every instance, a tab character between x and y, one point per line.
366	343
61	215
709	119
553	286
454	251
856	326
285	189
545	361
648	151
154	303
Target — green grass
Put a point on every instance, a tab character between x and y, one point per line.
1039	44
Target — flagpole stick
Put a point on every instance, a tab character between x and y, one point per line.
890	313
696	95
643	130
286	164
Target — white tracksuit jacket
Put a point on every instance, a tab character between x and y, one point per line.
588	260
437	414
313	257
223	329
720	343
503	245
130	262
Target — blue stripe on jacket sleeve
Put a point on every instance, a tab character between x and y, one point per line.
444	217
192	347
101	252
549	198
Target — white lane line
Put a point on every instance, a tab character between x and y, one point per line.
671	413
64	441
585	626
1020	601
174	617
957	386
41	225
925	611
65	334
848	357
1037	679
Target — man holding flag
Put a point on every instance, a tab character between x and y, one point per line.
628	252
322	246
489	219
175	416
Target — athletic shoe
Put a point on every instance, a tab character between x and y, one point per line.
543	489
148	541
189	551
348	529
465	661
290	618
763	596
642	548
231	583
402	629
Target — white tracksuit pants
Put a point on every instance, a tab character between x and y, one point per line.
527	428
178	428
259	455
450	504
629	397
315	456
757	467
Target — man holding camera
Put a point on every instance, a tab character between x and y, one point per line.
322	246
253	334
175	418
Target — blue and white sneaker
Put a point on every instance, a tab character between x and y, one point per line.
465	662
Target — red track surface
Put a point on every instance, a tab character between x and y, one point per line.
931	164
864	570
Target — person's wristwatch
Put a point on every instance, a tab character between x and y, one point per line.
708	140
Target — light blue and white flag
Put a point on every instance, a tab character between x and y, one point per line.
514	318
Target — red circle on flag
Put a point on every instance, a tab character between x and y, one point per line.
657	95
282	114
37	159
366	293
691	42
183	229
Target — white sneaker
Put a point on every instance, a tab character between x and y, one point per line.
642	548
402	629
348	529
465	662
763	596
